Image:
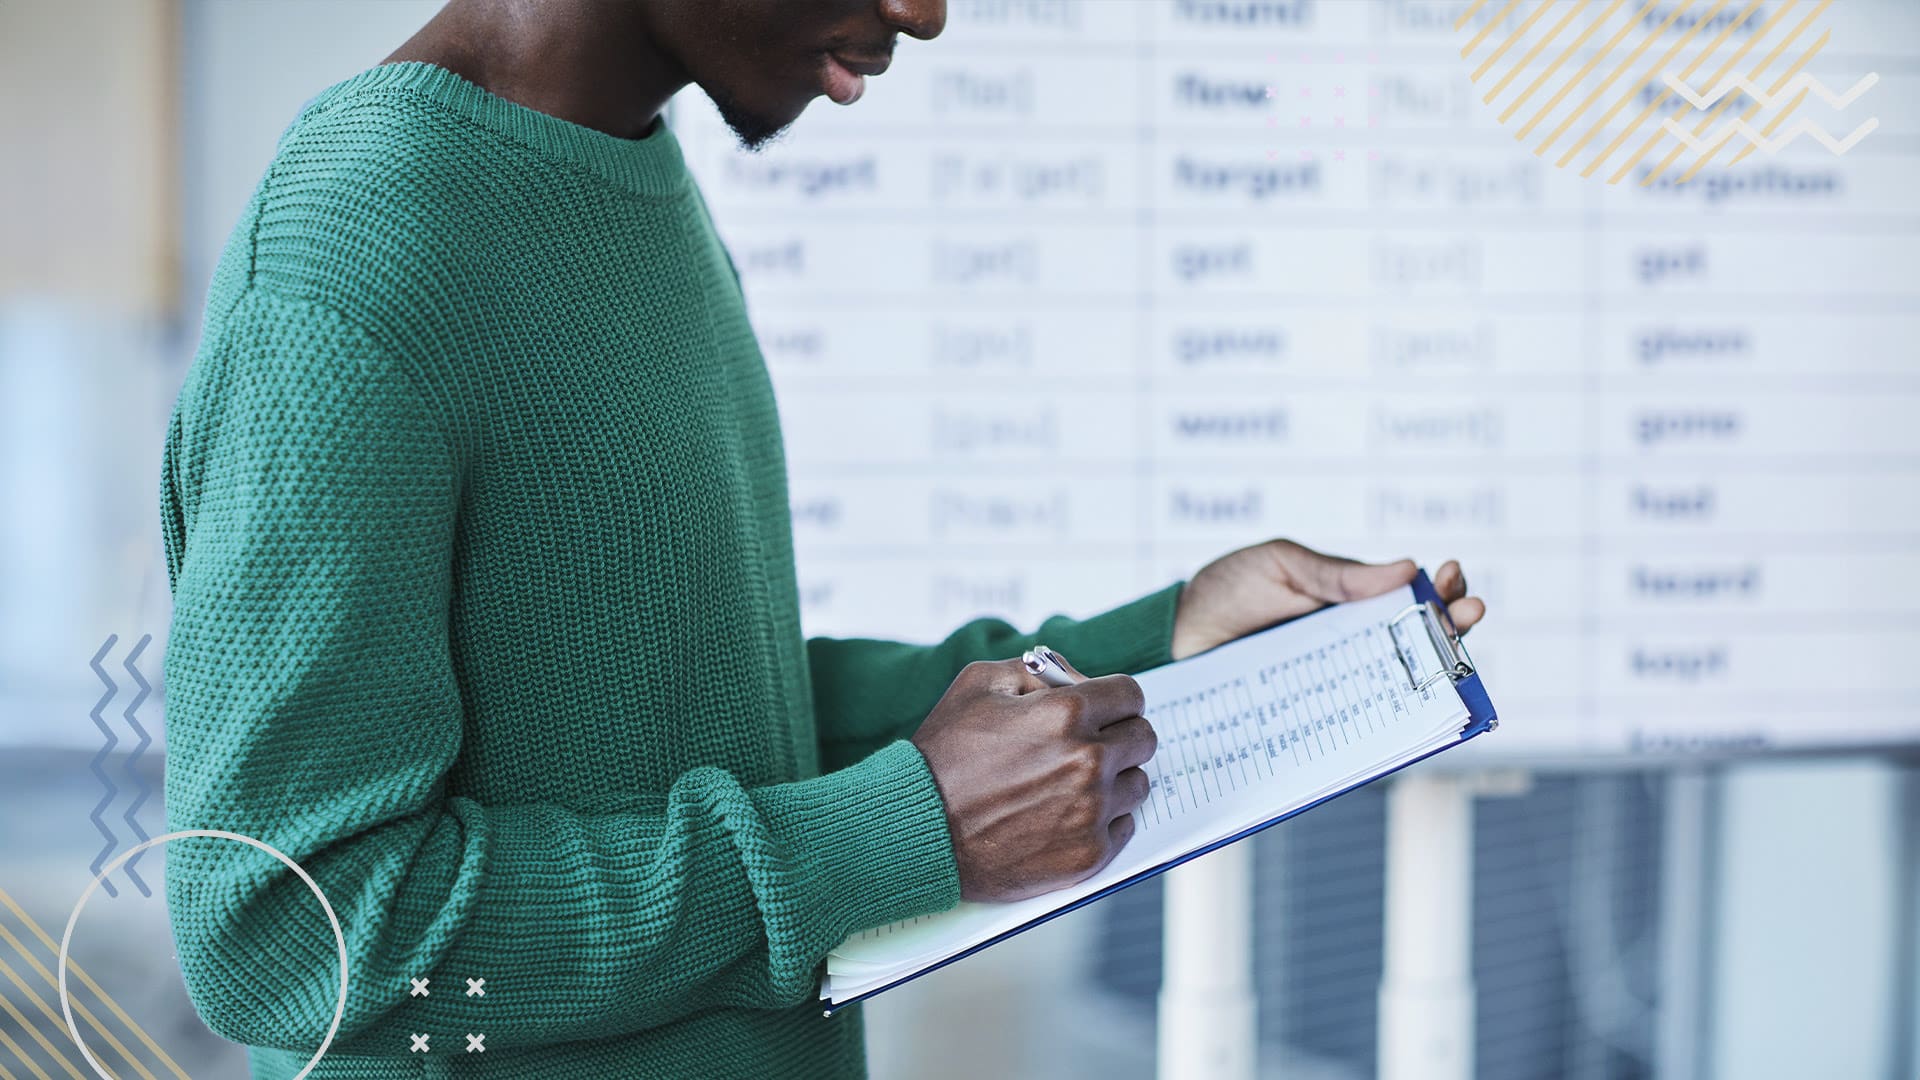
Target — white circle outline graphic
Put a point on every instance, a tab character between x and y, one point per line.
66	939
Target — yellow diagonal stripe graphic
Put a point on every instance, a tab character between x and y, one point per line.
1467	15
1518	33
1659	66
53	982
1766	28
1632	58
27	1026
53	948
1655	81
1569	51
1538	47
1727	102
1488	29
21	1056
1658	170
60	1026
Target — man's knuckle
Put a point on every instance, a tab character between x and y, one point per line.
1072	709
1082	813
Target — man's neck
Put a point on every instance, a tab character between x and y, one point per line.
595	64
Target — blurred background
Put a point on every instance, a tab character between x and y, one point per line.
1250	269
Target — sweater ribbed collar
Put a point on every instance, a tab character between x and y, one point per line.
651	165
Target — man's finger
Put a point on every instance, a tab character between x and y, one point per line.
1119	831
1107	699
1131	742
1336	580
1466	612
1451	581
1002	677
1130	789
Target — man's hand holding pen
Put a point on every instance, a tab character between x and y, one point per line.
1040	781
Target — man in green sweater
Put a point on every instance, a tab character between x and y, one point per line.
477	527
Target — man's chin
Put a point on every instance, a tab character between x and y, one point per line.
758	138
753	129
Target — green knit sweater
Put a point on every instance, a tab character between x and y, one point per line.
476	523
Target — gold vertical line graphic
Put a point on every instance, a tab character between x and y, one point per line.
60	1025
1513	37
1632	59
1542	43
1659	66
1488	29
1653	139
1569	51
1467	15
46	940
20	1055
27	1026
1726	103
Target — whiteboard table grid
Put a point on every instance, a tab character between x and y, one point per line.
1051	326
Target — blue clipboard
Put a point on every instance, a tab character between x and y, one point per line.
1481	719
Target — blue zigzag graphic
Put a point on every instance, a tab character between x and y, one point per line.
141	789
107	799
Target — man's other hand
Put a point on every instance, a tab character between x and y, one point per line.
1040	782
1256	587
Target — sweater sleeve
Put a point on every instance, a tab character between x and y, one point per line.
868	693
309	496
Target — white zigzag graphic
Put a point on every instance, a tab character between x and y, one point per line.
1802	81
1739	127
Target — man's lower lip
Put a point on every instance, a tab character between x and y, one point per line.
842	86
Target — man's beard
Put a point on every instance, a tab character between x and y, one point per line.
753	131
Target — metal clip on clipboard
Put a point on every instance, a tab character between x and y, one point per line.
1454	663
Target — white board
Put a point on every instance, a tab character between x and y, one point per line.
1056	314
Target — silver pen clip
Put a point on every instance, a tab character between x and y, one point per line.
1045	664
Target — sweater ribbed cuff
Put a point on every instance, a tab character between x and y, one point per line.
1131	638
876	839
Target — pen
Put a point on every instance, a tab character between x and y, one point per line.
1046	665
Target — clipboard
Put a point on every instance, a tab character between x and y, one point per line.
1424	622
